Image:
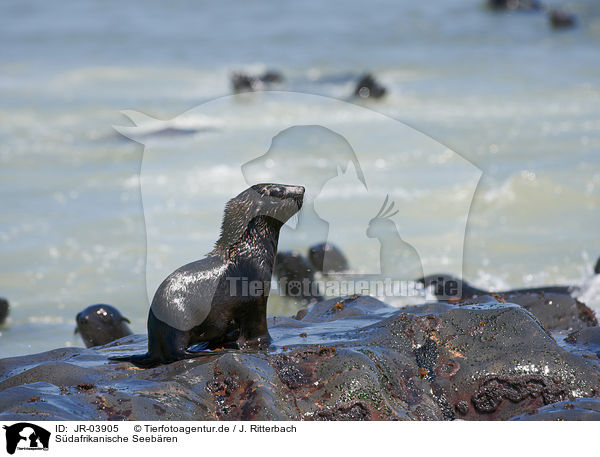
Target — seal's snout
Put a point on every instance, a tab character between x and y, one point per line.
296	190
296	193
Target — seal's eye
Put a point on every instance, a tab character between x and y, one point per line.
276	192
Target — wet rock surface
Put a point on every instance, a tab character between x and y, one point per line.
580	409
556	311
343	359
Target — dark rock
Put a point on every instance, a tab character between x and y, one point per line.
555	311
580	409
327	258
3	310
561	19
100	324
369	87
296	277
352	358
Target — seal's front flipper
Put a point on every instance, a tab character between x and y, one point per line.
139	360
201	346
259	342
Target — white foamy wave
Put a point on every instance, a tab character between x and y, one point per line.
590	293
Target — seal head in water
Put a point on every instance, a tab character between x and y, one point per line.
101	324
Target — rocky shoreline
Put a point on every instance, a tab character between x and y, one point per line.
524	356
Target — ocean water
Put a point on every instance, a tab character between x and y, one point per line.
488	143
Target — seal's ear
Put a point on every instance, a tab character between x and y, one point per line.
76	331
126	320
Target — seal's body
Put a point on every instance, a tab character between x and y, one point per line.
100	324
222	299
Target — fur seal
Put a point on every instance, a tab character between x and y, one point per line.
448	286
296	277
101	324
242	82
369	87
222	299
327	258
512	5
561	19
3	310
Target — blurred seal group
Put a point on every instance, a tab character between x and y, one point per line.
100	324
222	299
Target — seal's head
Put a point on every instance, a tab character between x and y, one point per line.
101	324
266	205
274	201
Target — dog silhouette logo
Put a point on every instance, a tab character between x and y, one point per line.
26	436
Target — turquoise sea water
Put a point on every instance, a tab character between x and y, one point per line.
494	106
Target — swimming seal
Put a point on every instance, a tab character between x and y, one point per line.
561	19
512	5
448	286
221	300
100	324
296	277
243	82
3	310
327	258
369	87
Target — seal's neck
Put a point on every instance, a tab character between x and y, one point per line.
258	241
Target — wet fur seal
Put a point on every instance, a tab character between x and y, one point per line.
212	302
3	310
101	324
